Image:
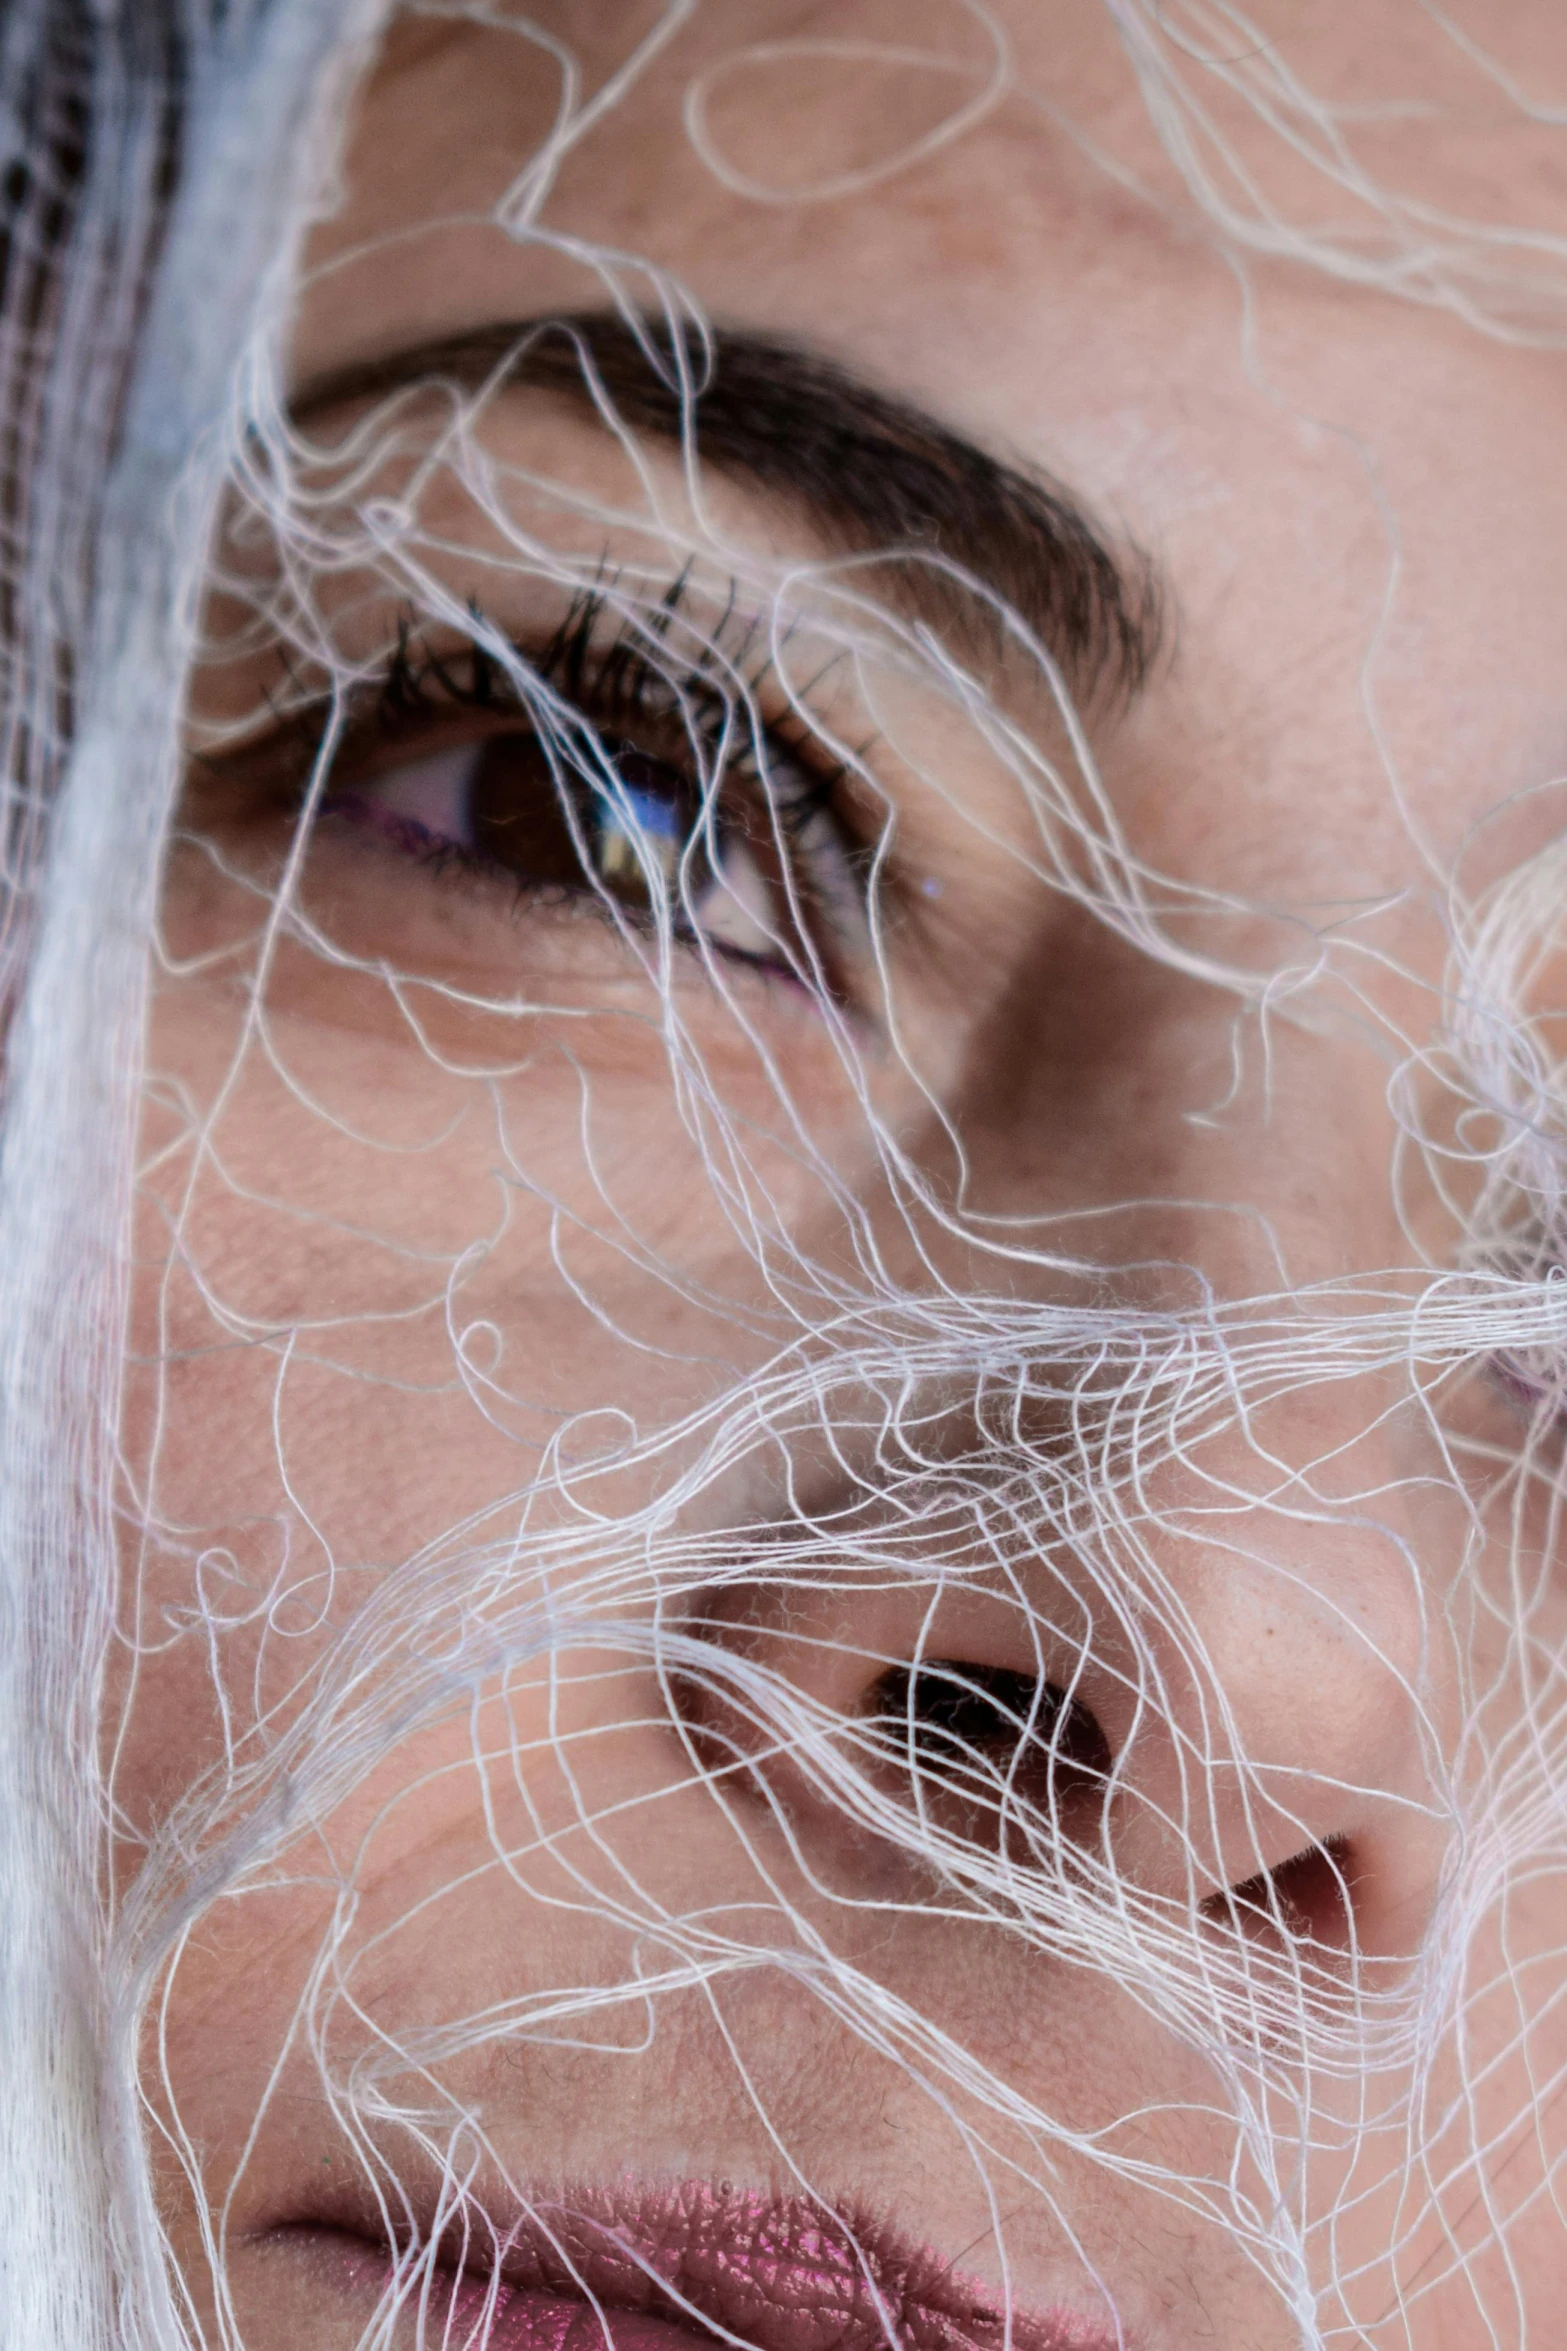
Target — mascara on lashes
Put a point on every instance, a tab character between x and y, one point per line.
617	772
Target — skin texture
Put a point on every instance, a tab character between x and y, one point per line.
1361	479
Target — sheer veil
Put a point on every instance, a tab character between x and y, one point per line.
159	164
162	167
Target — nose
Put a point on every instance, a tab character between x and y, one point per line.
1265	1505
1168	1592
1294	1695
1228	1695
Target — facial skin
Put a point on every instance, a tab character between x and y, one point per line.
1356	519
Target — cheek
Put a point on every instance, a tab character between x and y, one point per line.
349	1148
516	1170
383	1267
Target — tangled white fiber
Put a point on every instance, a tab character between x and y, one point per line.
853	1400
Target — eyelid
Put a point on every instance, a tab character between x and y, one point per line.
577	689
564	671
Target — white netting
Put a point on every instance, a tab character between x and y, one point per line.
655	1579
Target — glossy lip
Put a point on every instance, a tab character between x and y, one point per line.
690	2264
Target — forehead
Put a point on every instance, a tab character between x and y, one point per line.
1304	112
993	205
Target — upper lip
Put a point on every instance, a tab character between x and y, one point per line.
786	2273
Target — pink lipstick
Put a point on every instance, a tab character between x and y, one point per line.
682	2268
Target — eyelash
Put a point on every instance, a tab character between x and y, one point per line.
592	703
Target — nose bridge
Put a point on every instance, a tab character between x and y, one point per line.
1135	1112
1243	1500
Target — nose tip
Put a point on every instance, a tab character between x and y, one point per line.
1283	1753
1246	1726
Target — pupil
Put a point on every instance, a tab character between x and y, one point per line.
641	831
634	835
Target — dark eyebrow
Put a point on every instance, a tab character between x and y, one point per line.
875	473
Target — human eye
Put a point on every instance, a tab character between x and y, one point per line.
628	767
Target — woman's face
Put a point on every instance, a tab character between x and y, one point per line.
802	1198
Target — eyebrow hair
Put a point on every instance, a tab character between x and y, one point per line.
875	473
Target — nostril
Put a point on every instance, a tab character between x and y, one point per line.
833	1713
1307	1898
990	1726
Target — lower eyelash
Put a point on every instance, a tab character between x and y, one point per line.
403	833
